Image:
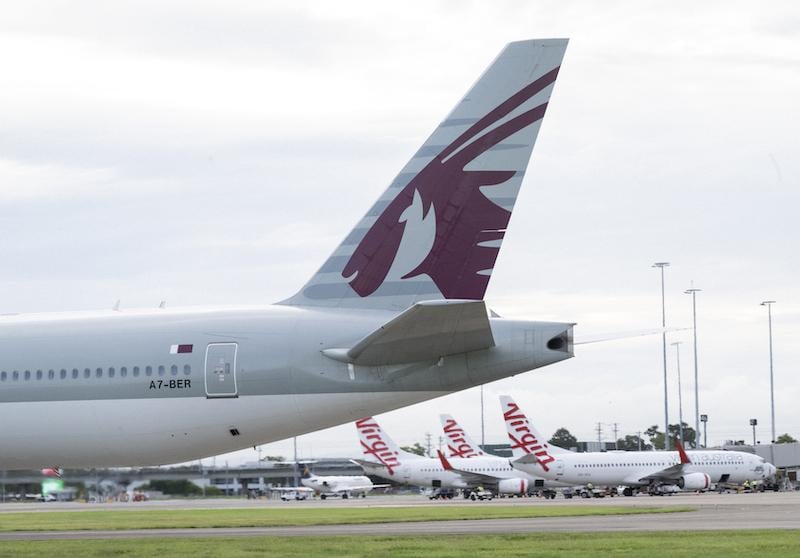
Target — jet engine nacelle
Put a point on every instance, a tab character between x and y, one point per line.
694	481
513	486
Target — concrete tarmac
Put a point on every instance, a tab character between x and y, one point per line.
714	512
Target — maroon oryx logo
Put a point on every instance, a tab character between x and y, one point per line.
520	435
372	443
462	254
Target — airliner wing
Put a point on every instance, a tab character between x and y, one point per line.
674	472
368	464
468	476
527	459
669	474
426	331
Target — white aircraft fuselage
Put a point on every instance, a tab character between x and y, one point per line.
634	468
111	389
339	485
429	472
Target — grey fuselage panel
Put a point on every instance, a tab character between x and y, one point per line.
279	352
266	379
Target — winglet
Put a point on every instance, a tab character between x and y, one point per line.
682	453
445	462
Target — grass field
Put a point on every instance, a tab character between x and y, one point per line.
277	517
708	544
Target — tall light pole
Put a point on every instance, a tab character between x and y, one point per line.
704	420
295	479
692	291
754	423
483	432
662	265
768	304
677	345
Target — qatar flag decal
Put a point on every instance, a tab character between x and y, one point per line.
180	349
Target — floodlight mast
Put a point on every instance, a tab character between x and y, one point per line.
692	291
662	265
677	345
768	304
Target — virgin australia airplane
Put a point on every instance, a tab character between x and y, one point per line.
694	470
394	316
383	458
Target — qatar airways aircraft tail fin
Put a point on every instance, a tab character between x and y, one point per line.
378	447
526	443
436	231
459	443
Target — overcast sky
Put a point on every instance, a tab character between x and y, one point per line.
150	150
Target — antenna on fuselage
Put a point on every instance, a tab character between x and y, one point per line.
115	308
163	304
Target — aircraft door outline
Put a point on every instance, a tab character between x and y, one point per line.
220	370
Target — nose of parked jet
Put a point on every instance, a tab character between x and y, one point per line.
769	470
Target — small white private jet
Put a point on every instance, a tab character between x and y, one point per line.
344	486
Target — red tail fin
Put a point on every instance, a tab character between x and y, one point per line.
682	453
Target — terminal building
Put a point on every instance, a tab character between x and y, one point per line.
255	478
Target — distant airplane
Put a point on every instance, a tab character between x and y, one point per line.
51	472
344	486
393	317
693	470
386	460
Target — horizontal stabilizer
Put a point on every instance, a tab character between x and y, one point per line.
426	331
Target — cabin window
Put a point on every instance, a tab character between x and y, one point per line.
74	373
15	375
123	371
135	371
27	375
161	370
173	370
111	372
148	371
51	374
38	374
98	373
62	374
3	376
187	370
87	372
